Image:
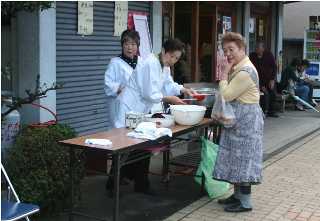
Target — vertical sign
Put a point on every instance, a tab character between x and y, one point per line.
260	28
130	18
141	26
85	17
226	24
221	59
251	25
120	17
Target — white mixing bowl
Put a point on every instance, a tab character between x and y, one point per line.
188	114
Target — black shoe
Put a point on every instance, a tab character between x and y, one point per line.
272	115
109	184
237	208
123	182
110	193
148	191
228	201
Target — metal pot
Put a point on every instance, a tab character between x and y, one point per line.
209	96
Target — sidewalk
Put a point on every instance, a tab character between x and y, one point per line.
290	190
183	192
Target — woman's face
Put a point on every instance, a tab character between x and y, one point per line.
170	58
233	53
130	48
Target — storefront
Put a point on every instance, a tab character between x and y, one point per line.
81	62
259	24
200	26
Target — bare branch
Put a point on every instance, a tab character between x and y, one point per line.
39	92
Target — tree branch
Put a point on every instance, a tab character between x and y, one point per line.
38	94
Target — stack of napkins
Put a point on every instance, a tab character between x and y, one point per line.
101	142
149	130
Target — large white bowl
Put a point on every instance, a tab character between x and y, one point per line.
188	114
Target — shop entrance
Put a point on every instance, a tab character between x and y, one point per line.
199	25
259	25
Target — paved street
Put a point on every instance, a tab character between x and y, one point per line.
290	190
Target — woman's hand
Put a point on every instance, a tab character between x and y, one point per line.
189	91
226	68
173	100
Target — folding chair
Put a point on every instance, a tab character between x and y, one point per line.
15	210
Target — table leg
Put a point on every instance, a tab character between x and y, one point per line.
165	168
206	132
116	163
71	170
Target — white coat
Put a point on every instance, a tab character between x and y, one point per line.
147	85
116	76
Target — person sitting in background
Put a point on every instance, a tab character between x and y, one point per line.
305	79
292	83
266	66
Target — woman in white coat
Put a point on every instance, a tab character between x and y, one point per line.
120	69
151	83
117	74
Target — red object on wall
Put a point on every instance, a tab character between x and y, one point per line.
130	18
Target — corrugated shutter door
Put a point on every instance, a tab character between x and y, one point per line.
81	63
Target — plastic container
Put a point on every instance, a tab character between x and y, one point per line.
10	126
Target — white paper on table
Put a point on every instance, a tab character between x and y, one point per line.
101	142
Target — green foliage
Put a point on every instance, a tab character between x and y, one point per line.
38	167
9	9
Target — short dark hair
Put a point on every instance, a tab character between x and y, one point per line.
130	34
260	44
305	62
172	45
295	62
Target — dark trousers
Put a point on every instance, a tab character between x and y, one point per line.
137	171
267	101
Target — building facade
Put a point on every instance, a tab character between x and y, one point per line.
47	43
296	20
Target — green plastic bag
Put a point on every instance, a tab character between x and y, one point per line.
209	152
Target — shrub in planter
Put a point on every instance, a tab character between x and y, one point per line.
38	166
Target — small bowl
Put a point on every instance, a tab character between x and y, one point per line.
167	121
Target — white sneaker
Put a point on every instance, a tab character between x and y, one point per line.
314	102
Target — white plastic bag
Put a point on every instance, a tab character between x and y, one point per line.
222	111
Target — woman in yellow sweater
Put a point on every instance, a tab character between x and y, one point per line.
239	159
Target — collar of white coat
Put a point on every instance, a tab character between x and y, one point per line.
159	58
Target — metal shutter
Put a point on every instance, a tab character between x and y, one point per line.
81	63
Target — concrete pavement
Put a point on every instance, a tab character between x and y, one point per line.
290	190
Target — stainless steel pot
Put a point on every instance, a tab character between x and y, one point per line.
209	93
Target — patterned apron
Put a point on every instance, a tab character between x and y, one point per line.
239	158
